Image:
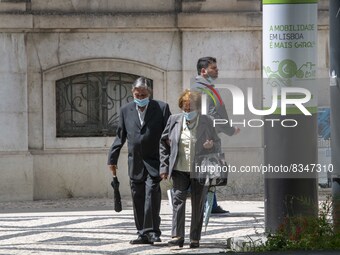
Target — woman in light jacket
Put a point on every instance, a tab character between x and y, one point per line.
187	135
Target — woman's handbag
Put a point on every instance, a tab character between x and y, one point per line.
211	169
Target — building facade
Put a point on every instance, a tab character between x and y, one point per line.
66	67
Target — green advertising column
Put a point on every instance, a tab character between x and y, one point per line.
289	62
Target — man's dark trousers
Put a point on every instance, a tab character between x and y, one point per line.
146	198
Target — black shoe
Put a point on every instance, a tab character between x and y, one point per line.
194	244
153	238
141	240
176	241
219	209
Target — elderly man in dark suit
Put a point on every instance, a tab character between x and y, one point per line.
142	123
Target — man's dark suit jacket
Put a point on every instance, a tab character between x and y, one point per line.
143	141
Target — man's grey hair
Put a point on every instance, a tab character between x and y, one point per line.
142	82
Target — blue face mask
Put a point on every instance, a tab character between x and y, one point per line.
190	115
141	102
210	79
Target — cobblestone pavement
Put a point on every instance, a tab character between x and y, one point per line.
90	226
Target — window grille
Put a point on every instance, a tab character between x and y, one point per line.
88	104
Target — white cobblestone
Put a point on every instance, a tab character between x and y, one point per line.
90	226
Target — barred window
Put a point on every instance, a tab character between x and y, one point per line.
88	104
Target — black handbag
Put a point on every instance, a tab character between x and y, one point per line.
211	169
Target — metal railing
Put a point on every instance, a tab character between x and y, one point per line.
88	104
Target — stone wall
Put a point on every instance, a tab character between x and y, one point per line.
16	163
43	41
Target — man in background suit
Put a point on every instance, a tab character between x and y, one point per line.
141	123
207	71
